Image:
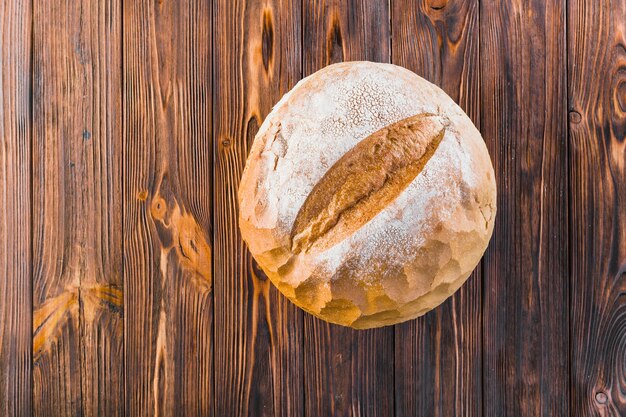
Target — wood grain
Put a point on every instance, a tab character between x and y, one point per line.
167	208
77	259
349	372
336	31
597	128
258	333
439	356
525	305
112	303
15	209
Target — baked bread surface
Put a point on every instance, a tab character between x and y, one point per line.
368	196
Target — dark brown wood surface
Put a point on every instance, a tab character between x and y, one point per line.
15	209
597	132
125	288
523	121
77	341
167	168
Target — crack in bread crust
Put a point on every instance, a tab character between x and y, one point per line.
365	181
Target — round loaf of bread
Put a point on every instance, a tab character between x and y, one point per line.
368	196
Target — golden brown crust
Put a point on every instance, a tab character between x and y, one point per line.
364	181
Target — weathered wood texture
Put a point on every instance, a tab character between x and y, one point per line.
525	305
76	192
258	333
438	356
15	209
125	288
348	372
167	208
597	128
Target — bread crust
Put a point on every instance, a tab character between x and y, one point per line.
348	252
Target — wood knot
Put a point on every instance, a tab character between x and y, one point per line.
252	127
257	272
225	142
574	117
63	310
334	43
142	195
193	249
158	208
438	4
601	397
620	100
267	39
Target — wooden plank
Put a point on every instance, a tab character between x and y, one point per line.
258	333
337	31
350	372
168	208
597	127
77	246
525	314
438	356
15	209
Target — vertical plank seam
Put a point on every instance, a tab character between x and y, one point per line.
31	190
213	198
482	260
569	208
122	81
213	201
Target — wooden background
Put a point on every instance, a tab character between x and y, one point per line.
125	288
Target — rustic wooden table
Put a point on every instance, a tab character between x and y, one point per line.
125	288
